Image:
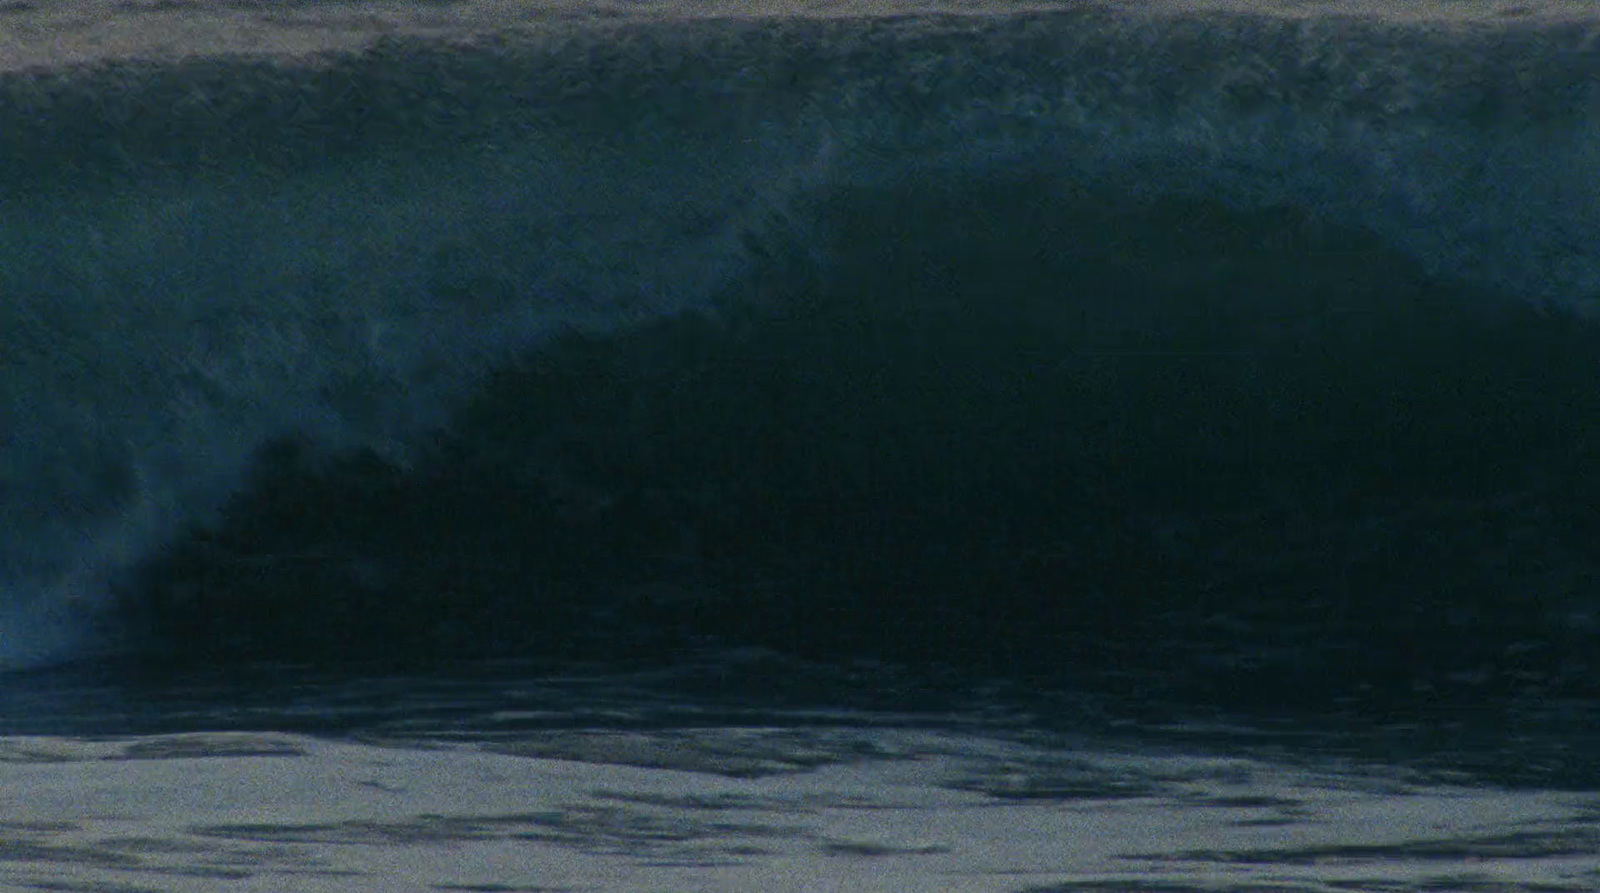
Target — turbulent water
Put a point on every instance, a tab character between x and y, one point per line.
1230	360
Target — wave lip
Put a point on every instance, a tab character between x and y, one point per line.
1471	144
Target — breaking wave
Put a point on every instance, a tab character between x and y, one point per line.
1017	341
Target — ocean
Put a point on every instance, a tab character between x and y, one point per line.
1213	380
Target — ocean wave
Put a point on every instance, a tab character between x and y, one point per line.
990	324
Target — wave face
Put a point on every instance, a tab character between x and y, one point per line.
1017	342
